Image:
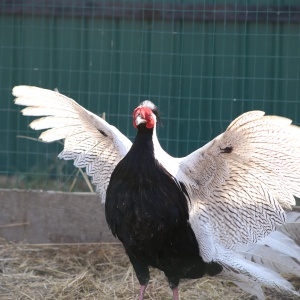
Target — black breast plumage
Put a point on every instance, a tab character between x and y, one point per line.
148	211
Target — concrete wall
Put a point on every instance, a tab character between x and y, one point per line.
52	217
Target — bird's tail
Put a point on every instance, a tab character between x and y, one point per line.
262	264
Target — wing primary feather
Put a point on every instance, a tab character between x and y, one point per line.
86	135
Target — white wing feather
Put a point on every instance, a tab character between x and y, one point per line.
245	178
89	140
240	185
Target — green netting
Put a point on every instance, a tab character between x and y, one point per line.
202	62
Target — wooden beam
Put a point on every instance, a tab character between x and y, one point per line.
151	11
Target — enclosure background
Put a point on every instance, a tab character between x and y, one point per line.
202	62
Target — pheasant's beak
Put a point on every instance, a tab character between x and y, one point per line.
139	120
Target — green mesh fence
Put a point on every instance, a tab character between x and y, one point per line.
202	62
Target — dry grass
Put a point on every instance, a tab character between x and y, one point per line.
91	271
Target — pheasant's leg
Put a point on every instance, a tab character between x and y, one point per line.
175	294
173	283
142	273
142	292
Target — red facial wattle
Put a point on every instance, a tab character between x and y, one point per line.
146	114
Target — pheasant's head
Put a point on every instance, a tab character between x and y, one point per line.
146	113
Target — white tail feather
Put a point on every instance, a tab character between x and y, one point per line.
282	243
254	265
271	259
251	276
292	226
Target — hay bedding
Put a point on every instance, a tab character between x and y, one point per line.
91	271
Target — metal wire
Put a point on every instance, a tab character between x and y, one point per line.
202	62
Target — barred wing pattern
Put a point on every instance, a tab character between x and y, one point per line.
245	178
242	183
90	141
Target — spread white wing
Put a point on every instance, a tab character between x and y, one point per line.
90	141
244	179
240	185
